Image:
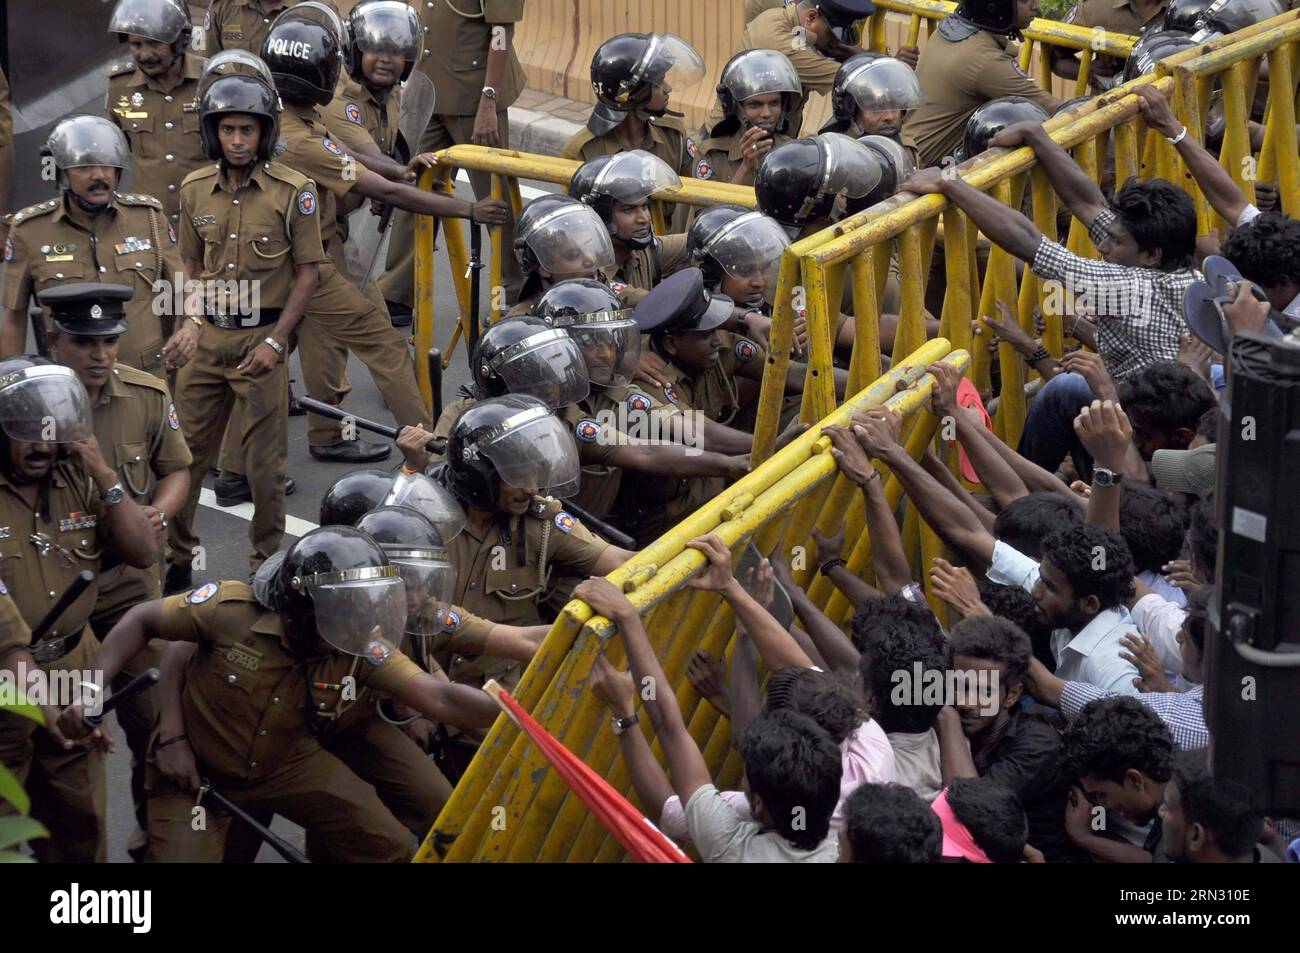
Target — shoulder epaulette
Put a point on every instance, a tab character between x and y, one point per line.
132	375
138	198
122	67
32	211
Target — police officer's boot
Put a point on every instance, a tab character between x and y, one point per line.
233	490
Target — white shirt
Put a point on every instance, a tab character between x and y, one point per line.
917	758
1249	214
724	837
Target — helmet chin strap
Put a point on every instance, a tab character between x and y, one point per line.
88	207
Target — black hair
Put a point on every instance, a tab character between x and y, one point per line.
1224	808
1166	396
1153	523
881	613
1117	734
993	815
1203	536
895	649
1075	553
1207	428
1266	249
891	824
1023	523
821	696
1160	217
1198	615
995	640
1017	605
795	767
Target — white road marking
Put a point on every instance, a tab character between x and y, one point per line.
526	192
292	525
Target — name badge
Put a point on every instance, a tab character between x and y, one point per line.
58	258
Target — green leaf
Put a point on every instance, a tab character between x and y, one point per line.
12	791
21	706
13	857
15	830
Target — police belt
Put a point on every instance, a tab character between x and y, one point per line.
237	322
51	650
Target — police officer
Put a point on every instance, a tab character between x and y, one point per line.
738	251
303	56
241	24
967	61
871	96
619	188
630	75
250	220
991	118
469	54
559	238
811	182
1131	17
816	36
93	233
353	495
758	91
256	689
138	431
61	508
153	96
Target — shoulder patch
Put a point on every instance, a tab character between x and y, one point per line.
618	287
564	522
307	202
172	420
353	112
450	620
203	593
378	652
639	402
587	430
9	249
670	392
692	148
704	169
331	146
746	350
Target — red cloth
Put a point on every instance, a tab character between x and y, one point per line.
969	396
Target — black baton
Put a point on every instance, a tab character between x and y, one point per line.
70	595
475	282
141	683
435	381
612	535
282	846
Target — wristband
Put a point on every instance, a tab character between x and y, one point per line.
826	567
408	471
1174	140
274	345
1039	353
862	484
171	741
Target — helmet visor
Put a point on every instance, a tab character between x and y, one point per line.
759	72
430	580
850	169
160	20
885	84
669	58
356	607
88	140
547	365
610	343
572	241
430	500
636	175
387	27
531	450
266	588
748	246
314	12
44	404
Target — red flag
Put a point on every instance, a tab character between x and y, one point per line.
638	836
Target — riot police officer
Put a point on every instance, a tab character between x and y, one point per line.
1152	47
153	96
967	61
758	91
872	95
991	118
1131	17
61	508
558	238
91	232
1205	19
353	495
809	183
619	188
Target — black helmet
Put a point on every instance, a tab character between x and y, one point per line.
626	66
756	73
741	242
705	226
629	177
239	94
383	26
560	235
1151	48
1204	19
872	82
1183	15
165	21
42	402
514	440
895	166
599	323
843	16
353	494
994	116
413	545
303	56
337	583
86	140
996	16
525	355
843	106
799	182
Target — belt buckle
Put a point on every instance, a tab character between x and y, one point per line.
48	650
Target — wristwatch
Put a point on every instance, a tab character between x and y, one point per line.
489	93
1103	477
113	495
619	725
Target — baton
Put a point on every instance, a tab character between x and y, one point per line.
70	595
435	381
384	217
38	333
438	445
141	683
475	279
281	846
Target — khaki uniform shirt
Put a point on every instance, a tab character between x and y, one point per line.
14	633
6	113
241	24
754	7
456	52
132	244
249	699
161	127
72	536
667	140
718	159
646	267
275	220
1118	16
959	77
356	118
311	150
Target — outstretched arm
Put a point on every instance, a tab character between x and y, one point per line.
1006	227
1072	184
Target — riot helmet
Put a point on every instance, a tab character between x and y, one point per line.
353	494
625	67
804	181
412	544
431	500
164	21
83	141
525	355
874	84
599	324
303	56
895	166
629	178
740	242
383	26
560	235
238	93
994	116
995	16
756	73
1151	48
41	402
1205	20
233	62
